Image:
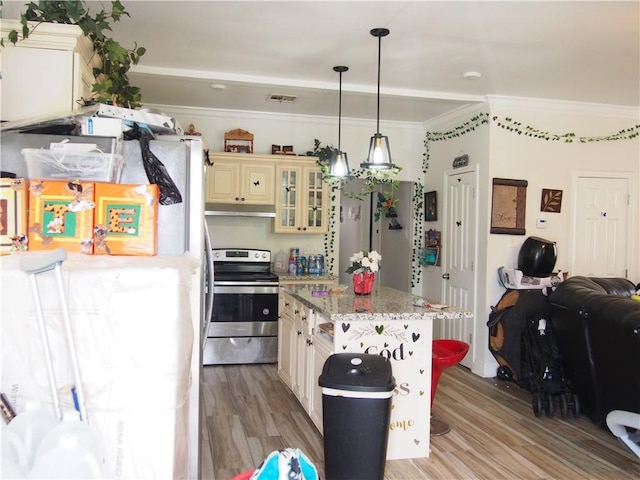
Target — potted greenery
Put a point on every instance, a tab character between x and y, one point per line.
111	81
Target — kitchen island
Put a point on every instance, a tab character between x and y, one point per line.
386	323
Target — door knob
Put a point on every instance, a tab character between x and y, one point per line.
445	276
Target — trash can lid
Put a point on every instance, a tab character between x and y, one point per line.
360	372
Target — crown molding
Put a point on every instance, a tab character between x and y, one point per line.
562	106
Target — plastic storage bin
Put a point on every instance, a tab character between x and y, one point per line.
61	165
356	404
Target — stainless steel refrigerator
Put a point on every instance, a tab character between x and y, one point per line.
181	227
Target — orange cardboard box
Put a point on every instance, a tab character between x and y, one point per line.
126	219
61	215
13	215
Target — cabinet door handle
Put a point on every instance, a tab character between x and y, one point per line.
304	319
299	332
286	304
296	311
242	199
237	199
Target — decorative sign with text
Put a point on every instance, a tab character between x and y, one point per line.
407	343
461	161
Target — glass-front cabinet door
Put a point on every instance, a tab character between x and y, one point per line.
302	200
316	206
287	215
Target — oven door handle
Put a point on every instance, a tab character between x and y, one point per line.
245	284
246	290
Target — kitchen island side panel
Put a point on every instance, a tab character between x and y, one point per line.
407	344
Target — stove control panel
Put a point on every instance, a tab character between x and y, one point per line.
241	255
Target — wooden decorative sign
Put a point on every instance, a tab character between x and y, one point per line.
508	206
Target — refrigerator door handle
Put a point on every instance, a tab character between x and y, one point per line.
208	257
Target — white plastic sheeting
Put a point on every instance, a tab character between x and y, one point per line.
131	321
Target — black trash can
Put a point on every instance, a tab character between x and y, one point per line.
356	405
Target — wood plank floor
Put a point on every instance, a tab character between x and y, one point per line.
250	413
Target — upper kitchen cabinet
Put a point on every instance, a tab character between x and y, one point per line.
241	178
302	198
48	73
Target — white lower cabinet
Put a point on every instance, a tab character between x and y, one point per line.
322	349
286	347
301	359
301	356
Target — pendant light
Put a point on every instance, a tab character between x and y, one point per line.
379	154
338	163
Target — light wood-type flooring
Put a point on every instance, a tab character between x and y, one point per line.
250	413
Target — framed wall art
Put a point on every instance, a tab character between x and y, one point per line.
13	215
508	202
551	200
430	207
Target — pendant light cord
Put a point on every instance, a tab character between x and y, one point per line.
340	112
379	59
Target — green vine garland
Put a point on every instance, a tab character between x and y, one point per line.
330	236
467	127
511	125
418	214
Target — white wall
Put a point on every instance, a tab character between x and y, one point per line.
406	140
544	164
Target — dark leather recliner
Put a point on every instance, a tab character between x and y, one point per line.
597	327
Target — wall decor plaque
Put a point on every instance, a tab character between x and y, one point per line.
551	200
509	198
461	161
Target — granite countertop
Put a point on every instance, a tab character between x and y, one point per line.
384	303
286	277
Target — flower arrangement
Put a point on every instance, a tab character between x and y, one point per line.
361	262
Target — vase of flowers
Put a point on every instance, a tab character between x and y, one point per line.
364	267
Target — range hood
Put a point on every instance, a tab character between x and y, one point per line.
239	210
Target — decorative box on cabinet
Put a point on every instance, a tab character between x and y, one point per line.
46	74
240	178
302	198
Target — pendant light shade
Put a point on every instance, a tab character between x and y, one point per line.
379	153
338	163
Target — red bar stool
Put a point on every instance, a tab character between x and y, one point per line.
444	354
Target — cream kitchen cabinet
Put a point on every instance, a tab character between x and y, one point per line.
286	343
240	178
302	198
46	74
302	353
322	349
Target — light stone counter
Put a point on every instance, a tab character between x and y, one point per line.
285	278
384	303
386	323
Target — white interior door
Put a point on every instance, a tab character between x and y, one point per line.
459	256
601	226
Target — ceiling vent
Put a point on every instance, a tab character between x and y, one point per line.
277	97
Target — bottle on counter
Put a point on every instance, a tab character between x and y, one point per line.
281	265
293	265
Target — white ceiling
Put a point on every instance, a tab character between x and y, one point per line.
583	51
